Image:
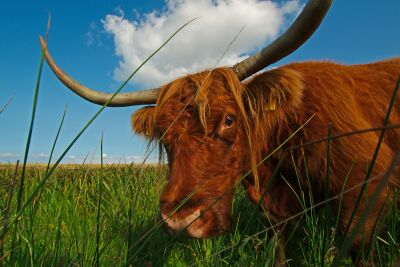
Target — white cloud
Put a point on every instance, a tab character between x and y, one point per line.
8	154
41	155
201	43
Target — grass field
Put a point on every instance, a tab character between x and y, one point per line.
93	216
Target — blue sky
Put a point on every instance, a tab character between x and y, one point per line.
88	40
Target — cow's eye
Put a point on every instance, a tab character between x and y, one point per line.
229	120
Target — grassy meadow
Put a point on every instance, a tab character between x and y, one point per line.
108	216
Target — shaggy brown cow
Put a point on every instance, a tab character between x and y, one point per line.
226	127
215	128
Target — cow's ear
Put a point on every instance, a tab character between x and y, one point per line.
143	121
274	90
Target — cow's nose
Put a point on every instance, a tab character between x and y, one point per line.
177	224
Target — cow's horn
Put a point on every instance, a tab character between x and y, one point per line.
304	26
148	96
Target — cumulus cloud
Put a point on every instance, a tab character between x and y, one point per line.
200	44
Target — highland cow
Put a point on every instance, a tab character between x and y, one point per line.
225	128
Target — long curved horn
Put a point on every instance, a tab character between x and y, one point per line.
148	96
302	29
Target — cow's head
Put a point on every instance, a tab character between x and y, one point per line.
199	120
207	124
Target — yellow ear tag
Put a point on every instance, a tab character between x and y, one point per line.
272	104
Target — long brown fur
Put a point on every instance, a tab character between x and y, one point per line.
207	155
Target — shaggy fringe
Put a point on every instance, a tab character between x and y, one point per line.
205	85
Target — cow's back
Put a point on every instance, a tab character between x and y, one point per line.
350	98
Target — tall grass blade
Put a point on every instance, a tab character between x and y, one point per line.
56	138
35	100
28	142
99	189
7	104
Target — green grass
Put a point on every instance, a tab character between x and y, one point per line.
69	224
